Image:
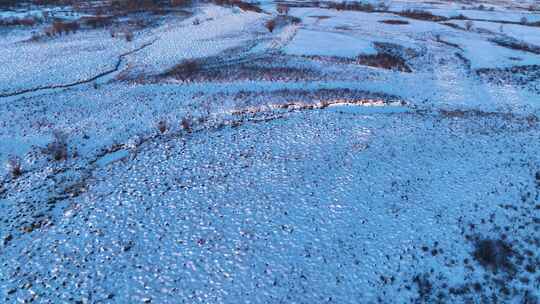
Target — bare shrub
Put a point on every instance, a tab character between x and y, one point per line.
58	148
295	20
128	35
469	25
14	166
459	17
60	27
186	124
162	126
270	25
282	9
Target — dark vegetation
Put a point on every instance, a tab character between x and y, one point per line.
270	25
385	61
59	27
97	21
14	166
493	254
58	148
280	21
245	6
516	45
524	75
421	15
389	56
503	265
351	6
162	126
25	21
394	22
184	70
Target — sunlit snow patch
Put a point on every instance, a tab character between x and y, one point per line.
112	157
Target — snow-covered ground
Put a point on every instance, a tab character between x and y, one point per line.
352	157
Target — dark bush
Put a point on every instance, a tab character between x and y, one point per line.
493	254
270	25
14	166
58	148
162	126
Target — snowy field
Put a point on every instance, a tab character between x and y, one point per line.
225	154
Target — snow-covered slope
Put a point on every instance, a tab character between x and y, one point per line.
349	157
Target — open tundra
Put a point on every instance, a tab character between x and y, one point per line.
273	152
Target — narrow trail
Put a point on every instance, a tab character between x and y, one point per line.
80	82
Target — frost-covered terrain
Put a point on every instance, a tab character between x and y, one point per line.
290	152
